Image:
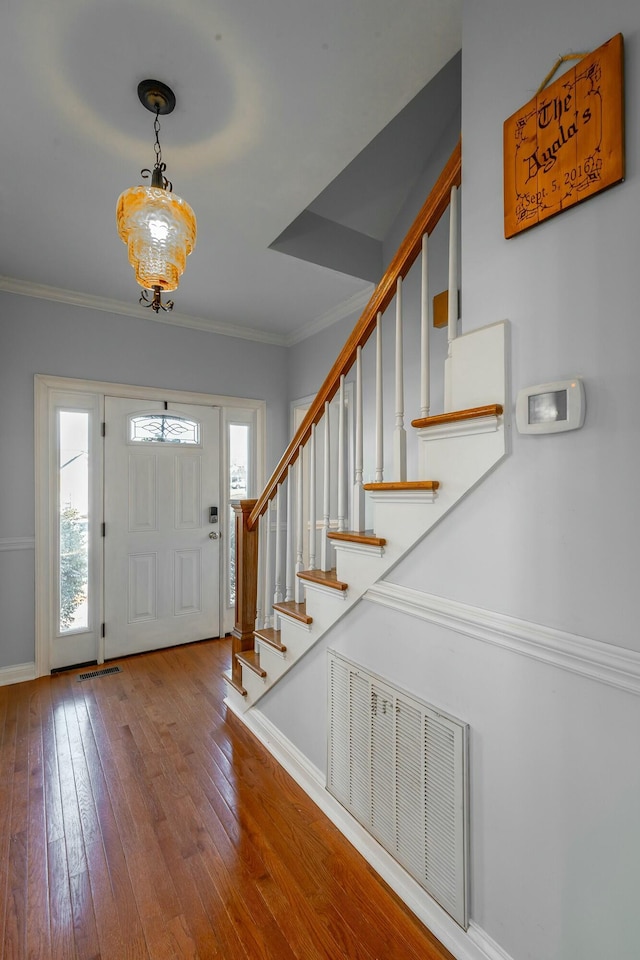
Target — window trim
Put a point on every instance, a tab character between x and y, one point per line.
241	414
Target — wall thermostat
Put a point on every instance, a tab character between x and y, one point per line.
551	407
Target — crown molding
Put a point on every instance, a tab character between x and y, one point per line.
41	291
353	304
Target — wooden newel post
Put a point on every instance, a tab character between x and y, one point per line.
246	584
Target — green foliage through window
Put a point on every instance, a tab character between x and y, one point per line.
73	564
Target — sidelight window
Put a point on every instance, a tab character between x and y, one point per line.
73	520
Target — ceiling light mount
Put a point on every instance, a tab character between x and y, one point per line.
156	96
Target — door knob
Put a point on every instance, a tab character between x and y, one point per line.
213	535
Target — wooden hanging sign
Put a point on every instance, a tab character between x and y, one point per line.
567	143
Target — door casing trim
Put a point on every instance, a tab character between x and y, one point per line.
45	389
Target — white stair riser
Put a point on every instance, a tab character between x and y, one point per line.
273	662
253	684
237	702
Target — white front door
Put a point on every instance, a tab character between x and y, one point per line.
162	553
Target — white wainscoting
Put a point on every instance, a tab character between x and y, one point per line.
605	662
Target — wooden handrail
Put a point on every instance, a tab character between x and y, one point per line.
426	221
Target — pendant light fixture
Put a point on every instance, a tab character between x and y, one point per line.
158	227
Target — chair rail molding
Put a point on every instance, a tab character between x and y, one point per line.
17	543
605	662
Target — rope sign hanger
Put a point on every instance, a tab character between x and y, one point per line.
558	63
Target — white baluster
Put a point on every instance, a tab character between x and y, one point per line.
452	312
342	473
399	435
425	379
312	499
452	330
299	589
260	583
289	563
268	569
357	508
278	596
379	426
325	546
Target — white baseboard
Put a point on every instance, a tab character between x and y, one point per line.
473	944
605	662
489	947
17	673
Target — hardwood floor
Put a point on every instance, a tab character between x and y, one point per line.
138	821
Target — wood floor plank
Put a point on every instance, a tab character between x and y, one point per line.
195	889
60	912
85	933
354	949
53	799
15	869
300	937
104	903
15	929
74	842
37	904
118	828
139	822
7	765
195	916
84	795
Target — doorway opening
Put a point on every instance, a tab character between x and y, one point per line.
173	456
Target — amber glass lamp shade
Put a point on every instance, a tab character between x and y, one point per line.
159	230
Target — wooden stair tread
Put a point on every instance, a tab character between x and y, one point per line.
404	485
270	636
236	686
251	659
292	609
358	536
455	416
328	578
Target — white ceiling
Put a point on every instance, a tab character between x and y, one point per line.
274	99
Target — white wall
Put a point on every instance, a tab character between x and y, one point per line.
38	336
550	538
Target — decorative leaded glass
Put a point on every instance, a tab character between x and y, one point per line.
163	428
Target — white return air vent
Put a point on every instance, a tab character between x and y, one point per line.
400	767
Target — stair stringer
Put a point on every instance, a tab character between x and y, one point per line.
458	455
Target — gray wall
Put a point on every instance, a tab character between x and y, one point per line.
549	538
38	336
553	537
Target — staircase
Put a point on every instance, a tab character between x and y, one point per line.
288	593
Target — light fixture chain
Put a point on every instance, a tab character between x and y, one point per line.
156	146
158	178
